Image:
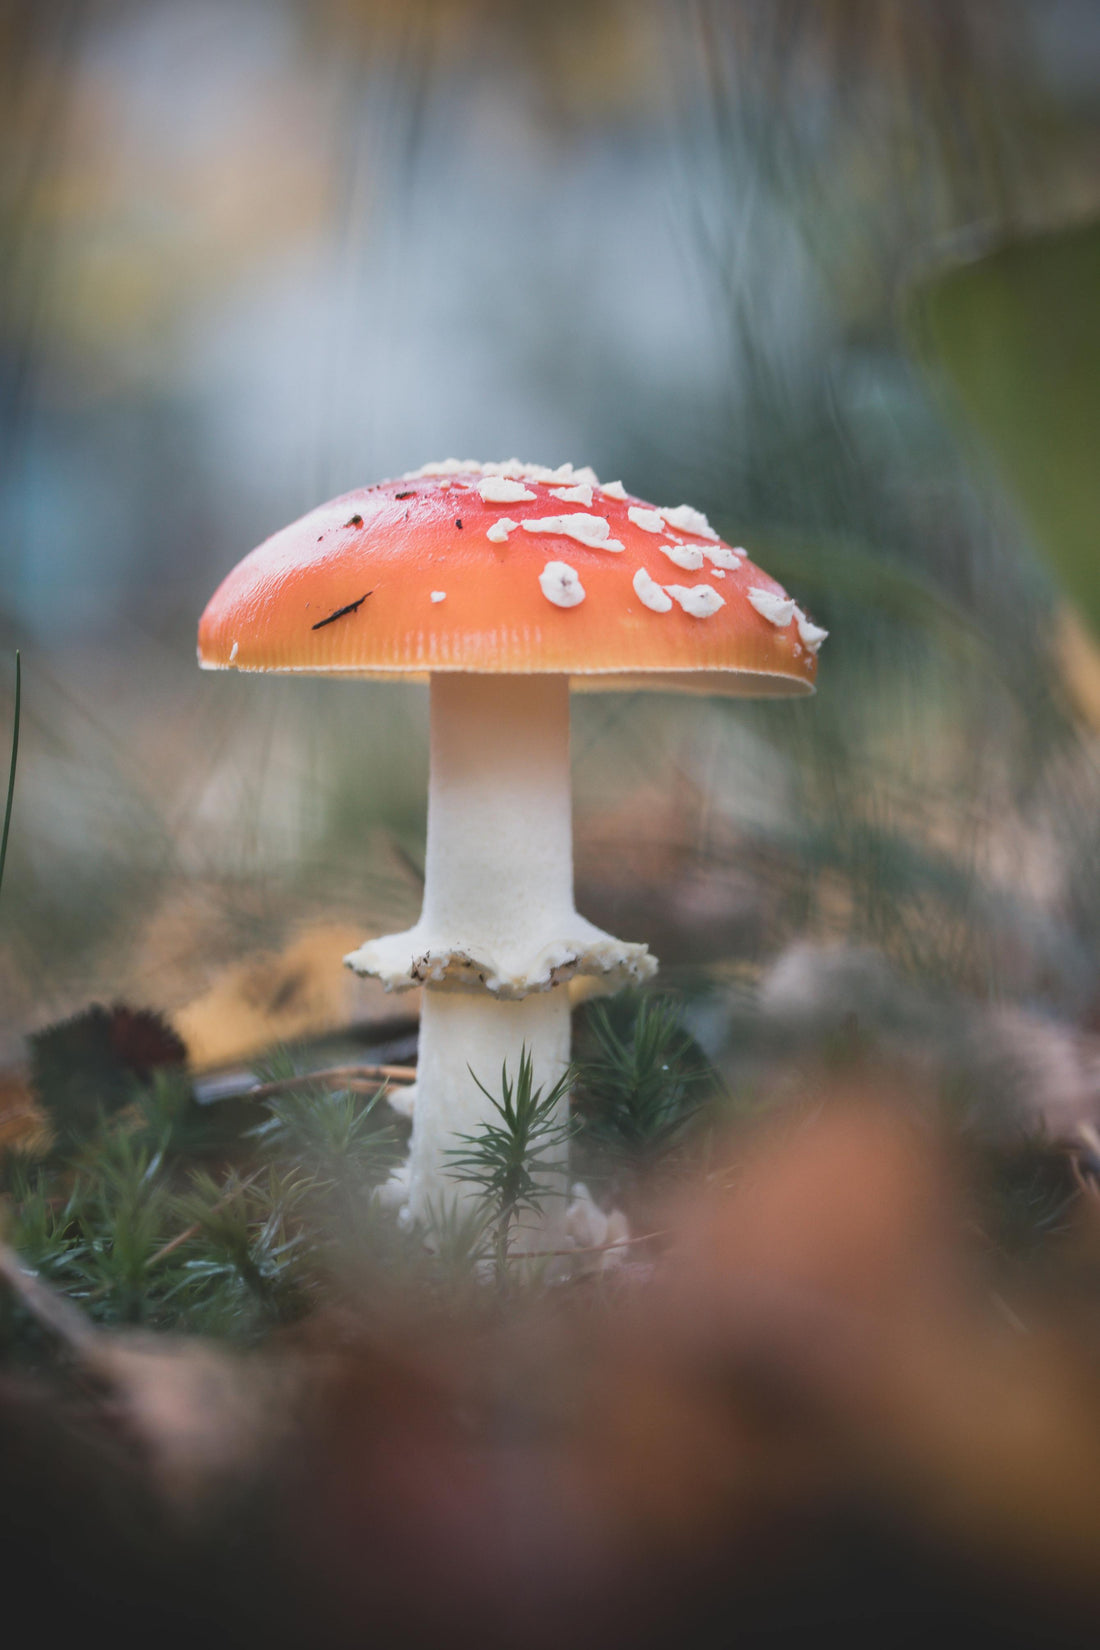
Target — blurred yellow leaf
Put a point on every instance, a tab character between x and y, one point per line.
277	997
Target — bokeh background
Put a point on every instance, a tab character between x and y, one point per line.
754	254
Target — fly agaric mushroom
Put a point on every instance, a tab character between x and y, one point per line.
503	585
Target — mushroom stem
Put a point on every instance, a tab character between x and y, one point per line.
464	1033
498	936
499	870
498	886
500	837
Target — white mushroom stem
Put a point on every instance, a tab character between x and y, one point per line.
498	935
498	885
466	1032
500	838
499	865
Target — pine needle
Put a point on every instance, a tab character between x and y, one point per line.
508	1160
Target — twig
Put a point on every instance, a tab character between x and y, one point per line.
196	1227
346	1075
590	1249
404	858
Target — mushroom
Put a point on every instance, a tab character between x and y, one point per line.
501	586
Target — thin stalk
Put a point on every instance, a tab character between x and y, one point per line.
341	1076
592	1248
500	1247
11	770
196	1227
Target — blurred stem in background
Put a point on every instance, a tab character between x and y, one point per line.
12	766
833	152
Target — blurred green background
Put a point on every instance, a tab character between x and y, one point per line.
825	271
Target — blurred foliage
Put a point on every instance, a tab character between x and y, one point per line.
1028	1197
641	1087
151	1209
86	1067
237	1219
851	1377
160	1213
1017	336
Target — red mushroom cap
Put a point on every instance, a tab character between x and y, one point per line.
403	579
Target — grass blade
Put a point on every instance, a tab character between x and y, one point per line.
11	770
